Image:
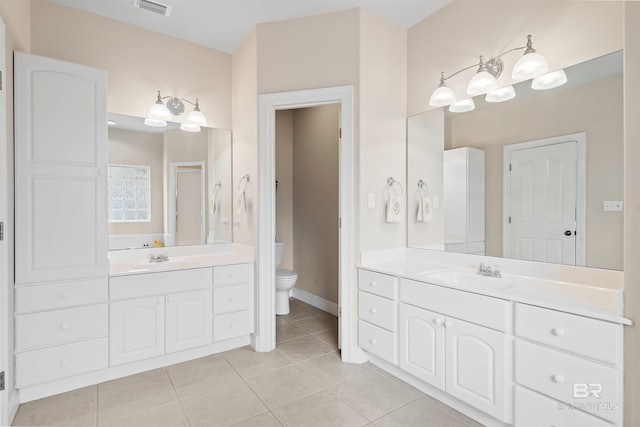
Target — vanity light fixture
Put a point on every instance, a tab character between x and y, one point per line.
530	65
462	106
549	80
159	113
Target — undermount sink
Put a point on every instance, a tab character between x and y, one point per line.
472	280
157	266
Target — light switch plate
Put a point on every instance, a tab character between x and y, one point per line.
371	200
612	206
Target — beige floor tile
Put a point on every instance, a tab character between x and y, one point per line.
402	383
281	320
276	388
170	415
263	420
74	408
203	377
223	406
195	362
249	363
373	395
128	399
303	311
288	331
419	413
330	369
132	378
329	336
462	417
319	323
305	347
322	409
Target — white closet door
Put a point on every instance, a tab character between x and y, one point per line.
61	158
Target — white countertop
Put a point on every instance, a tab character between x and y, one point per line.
136	261
586	300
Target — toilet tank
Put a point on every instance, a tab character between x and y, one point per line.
279	252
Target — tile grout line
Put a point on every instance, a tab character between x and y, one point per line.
186	417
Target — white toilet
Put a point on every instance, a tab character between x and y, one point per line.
285	281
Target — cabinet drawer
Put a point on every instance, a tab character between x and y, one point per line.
230	274
590	337
474	308
562	376
230	325
535	410
61	326
377	310
166	282
53	296
39	366
377	341
230	299
377	283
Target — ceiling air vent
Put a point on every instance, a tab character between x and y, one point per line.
153	6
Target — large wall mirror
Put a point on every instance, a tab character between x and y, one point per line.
166	186
539	177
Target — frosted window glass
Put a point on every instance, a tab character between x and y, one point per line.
129	193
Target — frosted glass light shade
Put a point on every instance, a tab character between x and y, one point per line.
442	96
500	95
156	123
481	83
462	106
549	81
197	118
190	127
530	65
159	112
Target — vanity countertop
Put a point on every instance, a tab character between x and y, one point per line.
586	300
129	262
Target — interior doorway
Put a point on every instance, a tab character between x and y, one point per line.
188	204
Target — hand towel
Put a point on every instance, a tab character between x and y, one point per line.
394	209
427	212
420	209
241	203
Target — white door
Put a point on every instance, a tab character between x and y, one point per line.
422	344
475	368
60	170
189	320
136	329
189	206
543	203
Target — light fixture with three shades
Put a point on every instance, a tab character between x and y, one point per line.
531	65
159	113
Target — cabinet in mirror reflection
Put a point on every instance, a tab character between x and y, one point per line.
590	104
189	191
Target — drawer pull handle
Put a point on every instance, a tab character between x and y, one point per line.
64	295
64	326
438	321
64	363
373	340
447	324
557	332
558	379
373	284
374	310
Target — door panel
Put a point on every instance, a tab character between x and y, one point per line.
189	320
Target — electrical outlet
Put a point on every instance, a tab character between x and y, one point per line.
612	206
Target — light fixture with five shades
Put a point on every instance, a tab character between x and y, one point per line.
159	113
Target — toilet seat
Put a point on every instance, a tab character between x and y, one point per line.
283	273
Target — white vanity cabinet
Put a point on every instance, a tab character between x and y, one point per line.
232	301
188	320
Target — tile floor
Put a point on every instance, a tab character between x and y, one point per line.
301	383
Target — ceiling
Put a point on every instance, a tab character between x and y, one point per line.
223	24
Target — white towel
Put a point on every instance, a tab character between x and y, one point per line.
241	203
394	209
425	212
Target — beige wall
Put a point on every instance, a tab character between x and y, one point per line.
553	113
284	192
220	149
139	62
141	149
632	213
454	37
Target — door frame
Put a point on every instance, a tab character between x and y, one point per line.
173	204
581	188
265	338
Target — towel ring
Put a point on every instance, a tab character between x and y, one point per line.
423	186
391	182
246	179
216	188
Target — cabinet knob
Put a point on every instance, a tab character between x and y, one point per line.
232	326
448	323
231	275
64	363
373	340
374	310
64	326
438	321
64	295
373	284
232	299
558	379
170	299
159	301
557	332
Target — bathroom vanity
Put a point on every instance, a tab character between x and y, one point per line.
523	349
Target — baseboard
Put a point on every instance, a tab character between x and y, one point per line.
316	301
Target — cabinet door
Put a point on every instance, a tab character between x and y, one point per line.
189	320
475	366
60	170
136	329
422	344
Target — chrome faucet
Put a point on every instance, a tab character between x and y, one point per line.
158	258
486	270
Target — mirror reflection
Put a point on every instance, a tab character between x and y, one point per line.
561	201
166	186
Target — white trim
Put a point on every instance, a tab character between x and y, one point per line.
173	201
316	301
581	199
265	339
